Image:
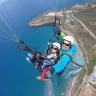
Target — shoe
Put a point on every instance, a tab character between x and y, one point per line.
30	55
38	77
28	59
36	65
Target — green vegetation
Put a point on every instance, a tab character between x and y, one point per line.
88	17
89	42
79	81
94	86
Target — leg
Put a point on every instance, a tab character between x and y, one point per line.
28	59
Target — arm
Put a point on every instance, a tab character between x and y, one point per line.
61	64
20	48
62	35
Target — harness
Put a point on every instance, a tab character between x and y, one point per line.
71	55
76	62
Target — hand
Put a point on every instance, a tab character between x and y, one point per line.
49	43
49	56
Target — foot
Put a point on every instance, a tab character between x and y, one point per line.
38	77
36	65
30	55
28	59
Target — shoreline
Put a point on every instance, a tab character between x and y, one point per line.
44	19
72	83
68	93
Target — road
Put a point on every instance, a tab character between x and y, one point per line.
86	78
84	27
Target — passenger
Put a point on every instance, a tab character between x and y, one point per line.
50	60
54	53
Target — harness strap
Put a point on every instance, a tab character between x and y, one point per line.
72	60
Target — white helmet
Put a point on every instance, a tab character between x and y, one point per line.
57	45
69	38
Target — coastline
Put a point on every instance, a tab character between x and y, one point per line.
38	22
44	19
72	83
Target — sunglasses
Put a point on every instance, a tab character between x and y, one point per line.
54	48
66	44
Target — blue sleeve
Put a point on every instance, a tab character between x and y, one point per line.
61	64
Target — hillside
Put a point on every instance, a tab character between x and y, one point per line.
79	20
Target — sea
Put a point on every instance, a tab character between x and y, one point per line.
17	76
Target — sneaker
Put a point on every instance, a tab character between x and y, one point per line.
28	59
36	65
38	77
30	55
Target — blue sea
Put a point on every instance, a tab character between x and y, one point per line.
17	76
